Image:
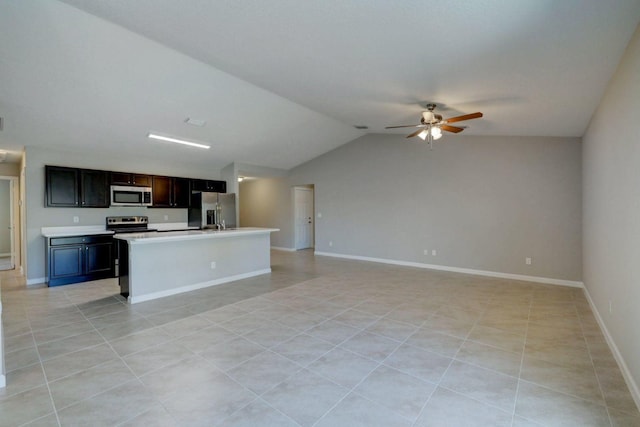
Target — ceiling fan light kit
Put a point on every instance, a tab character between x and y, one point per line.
432	124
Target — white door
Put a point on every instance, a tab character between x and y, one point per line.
303	203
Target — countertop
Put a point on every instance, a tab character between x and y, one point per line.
155	237
89	230
80	230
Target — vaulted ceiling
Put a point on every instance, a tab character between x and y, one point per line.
281	82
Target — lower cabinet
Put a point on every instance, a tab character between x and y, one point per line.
79	259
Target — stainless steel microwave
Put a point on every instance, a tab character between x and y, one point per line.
130	196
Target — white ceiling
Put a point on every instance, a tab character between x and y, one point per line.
283	81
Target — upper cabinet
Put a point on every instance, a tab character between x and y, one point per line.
170	192
70	187
133	179
89	188
208	185
62	187
94	188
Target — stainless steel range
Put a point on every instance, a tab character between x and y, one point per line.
128	224
125	224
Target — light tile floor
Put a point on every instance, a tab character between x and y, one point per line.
318	342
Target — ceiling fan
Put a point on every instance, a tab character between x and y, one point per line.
432	124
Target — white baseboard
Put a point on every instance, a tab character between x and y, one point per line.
633	386
278	248
196	286
36	281
537	279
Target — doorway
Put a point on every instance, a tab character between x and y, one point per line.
303	217
7	223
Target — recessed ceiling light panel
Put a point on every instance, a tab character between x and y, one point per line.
177	141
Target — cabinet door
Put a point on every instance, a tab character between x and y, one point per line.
94	188
161	192
61	187
141	180
218	186
98	257
66	261
120	178
198	185
181	193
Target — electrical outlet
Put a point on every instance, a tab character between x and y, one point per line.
213	265
527	261
426	252
166	217
434	253
76	219
319	214
330	242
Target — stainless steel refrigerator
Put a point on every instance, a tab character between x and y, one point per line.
212	210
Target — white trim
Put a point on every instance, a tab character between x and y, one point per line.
196	286
5	254
36	281
546	280
3	381
633	387
278	248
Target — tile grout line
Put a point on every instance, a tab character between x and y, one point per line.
524	347
604	400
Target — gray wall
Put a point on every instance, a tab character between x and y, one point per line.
611	185
267	202
5	216
38	216
483	203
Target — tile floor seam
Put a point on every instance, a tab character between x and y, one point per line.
439	380
524	349
135	378
604	399
258	398
46	383
601	404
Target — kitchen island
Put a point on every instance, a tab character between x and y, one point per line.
155	265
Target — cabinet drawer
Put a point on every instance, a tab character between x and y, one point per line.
75	240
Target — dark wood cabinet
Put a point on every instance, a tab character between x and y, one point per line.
89	188
181	193
94	188
61	187
71	187
133	179
79	259
170	192
208	185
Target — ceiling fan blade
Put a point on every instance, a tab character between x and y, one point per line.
411	135
404	126
465	117
454	129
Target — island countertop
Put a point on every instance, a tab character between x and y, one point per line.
160	264
156	237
